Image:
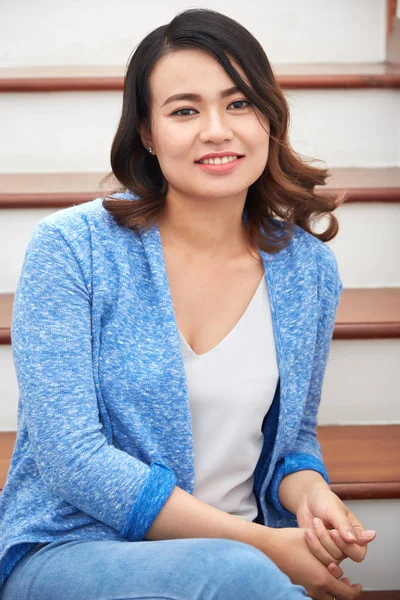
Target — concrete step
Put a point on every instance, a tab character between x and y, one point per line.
366	341
339	132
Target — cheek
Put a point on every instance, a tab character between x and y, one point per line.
174	142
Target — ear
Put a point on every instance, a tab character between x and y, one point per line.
145	136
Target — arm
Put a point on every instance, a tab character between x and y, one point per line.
296	486
52	349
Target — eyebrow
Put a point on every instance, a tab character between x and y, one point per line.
197	98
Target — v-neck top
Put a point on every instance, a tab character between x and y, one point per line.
230	389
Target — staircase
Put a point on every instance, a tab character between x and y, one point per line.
341	74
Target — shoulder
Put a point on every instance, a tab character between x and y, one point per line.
80	222
325	263
322	253
313	261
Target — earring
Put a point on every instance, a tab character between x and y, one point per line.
150	149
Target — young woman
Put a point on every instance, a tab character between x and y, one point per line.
170	344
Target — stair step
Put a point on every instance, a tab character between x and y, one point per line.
339	132
362	461
381	595
362	314
61	190
290	76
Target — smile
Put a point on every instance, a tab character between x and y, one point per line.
221	165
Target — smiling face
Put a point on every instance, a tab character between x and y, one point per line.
184	130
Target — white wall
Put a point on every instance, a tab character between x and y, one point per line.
105	32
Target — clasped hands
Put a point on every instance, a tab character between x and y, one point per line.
333	531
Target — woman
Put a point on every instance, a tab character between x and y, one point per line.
170	344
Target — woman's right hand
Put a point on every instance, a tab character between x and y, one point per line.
288	549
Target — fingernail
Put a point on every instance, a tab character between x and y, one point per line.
351	535
368	533
316	522
335	534
310	536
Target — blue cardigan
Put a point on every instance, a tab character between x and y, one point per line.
104	423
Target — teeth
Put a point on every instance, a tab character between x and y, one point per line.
218	161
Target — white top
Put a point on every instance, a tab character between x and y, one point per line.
231	388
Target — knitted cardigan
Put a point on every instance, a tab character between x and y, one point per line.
104	422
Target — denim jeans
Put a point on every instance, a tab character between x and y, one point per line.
178	569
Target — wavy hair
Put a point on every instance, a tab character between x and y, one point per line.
282	197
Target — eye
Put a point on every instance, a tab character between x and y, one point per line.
179	112
241	102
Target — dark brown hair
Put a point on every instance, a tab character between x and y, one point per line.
283	196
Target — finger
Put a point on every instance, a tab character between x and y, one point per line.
317	549
327	541
335	570
342	519
364	536
353	551
342	590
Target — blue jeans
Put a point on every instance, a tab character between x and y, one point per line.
179	569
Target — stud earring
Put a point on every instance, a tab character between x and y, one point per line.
150	149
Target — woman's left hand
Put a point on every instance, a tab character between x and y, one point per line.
337	533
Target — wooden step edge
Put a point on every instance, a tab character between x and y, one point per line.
307	76
56	200
365	195
371	474
67	199
381	595
363	313
366	331
367	491
61	190
342	331
334	82
355	491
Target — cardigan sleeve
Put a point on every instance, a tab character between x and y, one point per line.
52	351
306	453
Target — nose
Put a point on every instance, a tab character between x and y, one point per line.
215	128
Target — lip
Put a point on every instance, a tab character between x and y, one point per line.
219	155
225	168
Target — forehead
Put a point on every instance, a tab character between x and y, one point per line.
189	71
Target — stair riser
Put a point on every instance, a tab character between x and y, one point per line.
73	131
380	568
367	246
361	385
349	397
362	27
368	262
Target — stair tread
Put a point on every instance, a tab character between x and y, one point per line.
21	190
110	77
362	307
335	68
356	456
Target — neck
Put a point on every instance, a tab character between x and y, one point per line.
206	229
